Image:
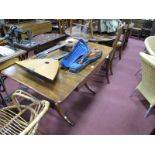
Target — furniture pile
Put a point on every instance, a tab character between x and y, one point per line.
57	68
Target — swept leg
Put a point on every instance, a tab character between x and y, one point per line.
148	112
92	91
61	113
107	71
3	88
120	53
110	67
107	75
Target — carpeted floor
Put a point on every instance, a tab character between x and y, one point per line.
111	111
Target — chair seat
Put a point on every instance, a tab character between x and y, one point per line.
21	119
137	28
119	43
11	123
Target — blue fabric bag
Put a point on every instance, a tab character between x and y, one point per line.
77	59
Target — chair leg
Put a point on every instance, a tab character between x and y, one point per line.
138	71
148	112
133	93
107	74
3	88
3	101
107	70
110	67
120	53
92	91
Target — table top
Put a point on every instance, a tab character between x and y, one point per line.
65	82
17	53
8	63
47	37
75	32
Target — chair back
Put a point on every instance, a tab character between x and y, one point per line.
147	85
63	24
114	45
150	45
126	35
22	119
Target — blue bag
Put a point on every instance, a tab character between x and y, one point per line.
77	59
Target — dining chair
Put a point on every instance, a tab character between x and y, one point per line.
19	119
114	46
107	67
147	85
121	44
63	24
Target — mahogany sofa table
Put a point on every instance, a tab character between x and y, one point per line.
65	82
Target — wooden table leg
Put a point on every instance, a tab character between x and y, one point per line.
61	113
92	91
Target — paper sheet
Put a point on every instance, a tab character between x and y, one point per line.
5	51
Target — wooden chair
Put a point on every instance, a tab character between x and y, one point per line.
20	119
64	24
76	24
147	85
114	45
109	60
121	44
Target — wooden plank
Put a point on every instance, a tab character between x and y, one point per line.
16	54
8	63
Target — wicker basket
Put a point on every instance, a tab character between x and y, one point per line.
22	119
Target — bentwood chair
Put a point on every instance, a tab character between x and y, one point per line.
150	45
20	119
147	84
